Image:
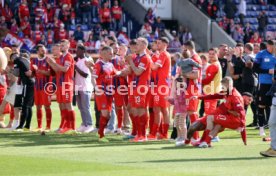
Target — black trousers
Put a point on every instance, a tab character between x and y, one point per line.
28	102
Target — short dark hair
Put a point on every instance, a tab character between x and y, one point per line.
39	46
133	42
247	94
214	49
112	38
249	46
164	40
106	48
270	42
239	45
190	44
263	46
81	47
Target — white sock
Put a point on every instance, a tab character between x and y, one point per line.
15	124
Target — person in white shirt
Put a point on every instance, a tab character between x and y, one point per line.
83	89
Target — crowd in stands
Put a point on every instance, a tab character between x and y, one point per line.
49	21
244	20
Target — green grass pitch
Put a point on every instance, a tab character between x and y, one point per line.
53	154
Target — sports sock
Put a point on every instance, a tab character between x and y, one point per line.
144	121
103	123
63	122
134	125
193	118
48	117
12	114
165	129
151	119
261	116
208	138
71	119
120	115
39	115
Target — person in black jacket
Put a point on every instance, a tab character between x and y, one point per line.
262	21
230	9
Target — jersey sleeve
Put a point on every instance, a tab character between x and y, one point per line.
31	66
144	63
96	70
258	59
68	61
160	60
211	72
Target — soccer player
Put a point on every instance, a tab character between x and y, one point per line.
193	86
64	69
264	65
162	80
212	82
140	67
41	72
120	86
231	114
103	73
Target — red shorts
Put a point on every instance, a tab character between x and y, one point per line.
139	101
228	121
66	95
41	98
120	100
104	102
210	106
192	104
159	99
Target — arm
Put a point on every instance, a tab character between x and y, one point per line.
56	67
82	73
211	97
137	70
212	70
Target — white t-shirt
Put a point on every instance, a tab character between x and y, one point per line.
82	83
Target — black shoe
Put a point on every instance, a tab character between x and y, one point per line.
266	127
250	125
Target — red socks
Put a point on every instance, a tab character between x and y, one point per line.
120	115
12	113
71	119
207	137
103	123
193	118
151	121
165	130
48	118
134	125
63	122
39	117
154	129
143	124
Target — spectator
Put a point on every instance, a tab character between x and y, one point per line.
14	27
73	43
242	11
238	34
116	15
36	36
200	3
40	12
73	16
7	13
146	30
50	14
43	40
149	17
159	26
90	43
62	34
25	26
174	45
186	35
97	30
57	24
23	10
248	32
256	49
230	27
122	37
211	9
230	9
78	34
262	21
223	51
64	16
49	37
105	16
3	22
85	7
95	4
256	38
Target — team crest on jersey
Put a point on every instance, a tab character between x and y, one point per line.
266	60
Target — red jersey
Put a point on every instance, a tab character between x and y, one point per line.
7	13
40	79
68	77
95	2
117	63
24	11
103	72
163	73
37	36
105	15
27	27
154	58
49	37
194	86
142	62
62	34
130	76
258	40
116	12
73	44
